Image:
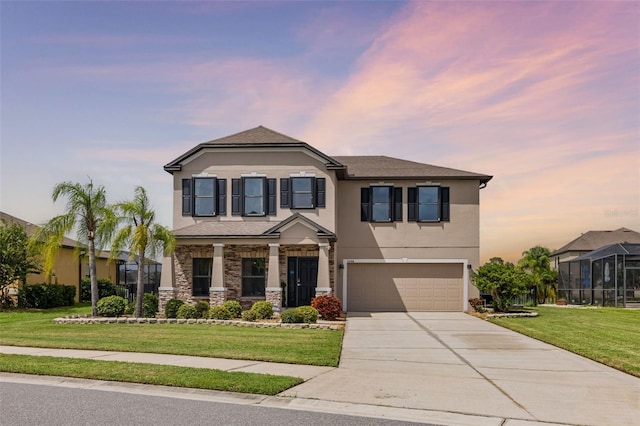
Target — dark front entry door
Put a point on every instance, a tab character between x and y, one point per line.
302	280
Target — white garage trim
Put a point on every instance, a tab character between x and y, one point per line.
463	262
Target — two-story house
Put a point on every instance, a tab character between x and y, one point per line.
259	215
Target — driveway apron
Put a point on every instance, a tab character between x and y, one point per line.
457	363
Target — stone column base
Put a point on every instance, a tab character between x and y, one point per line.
323	291
274	296
217	296
164	295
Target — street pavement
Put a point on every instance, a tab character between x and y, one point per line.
438	368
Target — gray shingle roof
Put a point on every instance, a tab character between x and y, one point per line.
380	166
358	167
593	240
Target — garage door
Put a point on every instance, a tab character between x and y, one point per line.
404	287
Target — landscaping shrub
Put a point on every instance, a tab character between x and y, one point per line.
220	313
44	296
171	308
329	307
131	308
150	304
263	309
249	316
309	313
111	306
234	308
477	304
105	288
292	316
187	311
203	309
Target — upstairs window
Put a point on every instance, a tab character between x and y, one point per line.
302	192
253	196
381	203
204	196
428	204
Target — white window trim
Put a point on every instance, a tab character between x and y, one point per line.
463	262
302	174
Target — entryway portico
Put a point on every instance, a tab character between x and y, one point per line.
248	268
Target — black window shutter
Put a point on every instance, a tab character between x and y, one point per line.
235	197
444	204
412	204
222	197
284	193
321	198
272	197
397	204
365	194
186	197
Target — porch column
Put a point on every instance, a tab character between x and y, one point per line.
217	291
273	292
167	289
324	284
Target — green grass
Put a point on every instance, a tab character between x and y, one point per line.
167	375
295	346
607	335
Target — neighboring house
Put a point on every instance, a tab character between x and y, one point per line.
68	268
608	276
590	241
259	215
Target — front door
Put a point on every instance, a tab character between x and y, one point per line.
302	280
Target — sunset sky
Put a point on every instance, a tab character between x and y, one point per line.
544	96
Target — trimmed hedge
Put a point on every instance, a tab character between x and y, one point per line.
329	307
111	306
44	296
306	314
234	307
105	288
262	309
171	308
187	311
203	309
220	313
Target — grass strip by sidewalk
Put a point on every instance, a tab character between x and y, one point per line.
292	346
610	336
152	374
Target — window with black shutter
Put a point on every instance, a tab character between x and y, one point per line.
204	196
381	203
186	197
428	203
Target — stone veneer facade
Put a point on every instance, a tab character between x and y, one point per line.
233	255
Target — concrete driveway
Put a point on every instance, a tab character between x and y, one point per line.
459	369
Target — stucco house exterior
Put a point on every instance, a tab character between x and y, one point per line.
259	215
68	268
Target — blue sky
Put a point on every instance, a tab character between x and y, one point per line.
545	96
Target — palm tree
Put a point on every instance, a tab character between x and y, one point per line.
141	236
93	219
536	261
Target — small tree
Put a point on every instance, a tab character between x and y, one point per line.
503	281
17	259
536	262
93	219
142	236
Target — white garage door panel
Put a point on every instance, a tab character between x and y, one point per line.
404	287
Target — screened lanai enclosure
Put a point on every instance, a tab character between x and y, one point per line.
608	276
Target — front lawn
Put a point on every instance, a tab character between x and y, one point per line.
295	346
607	335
